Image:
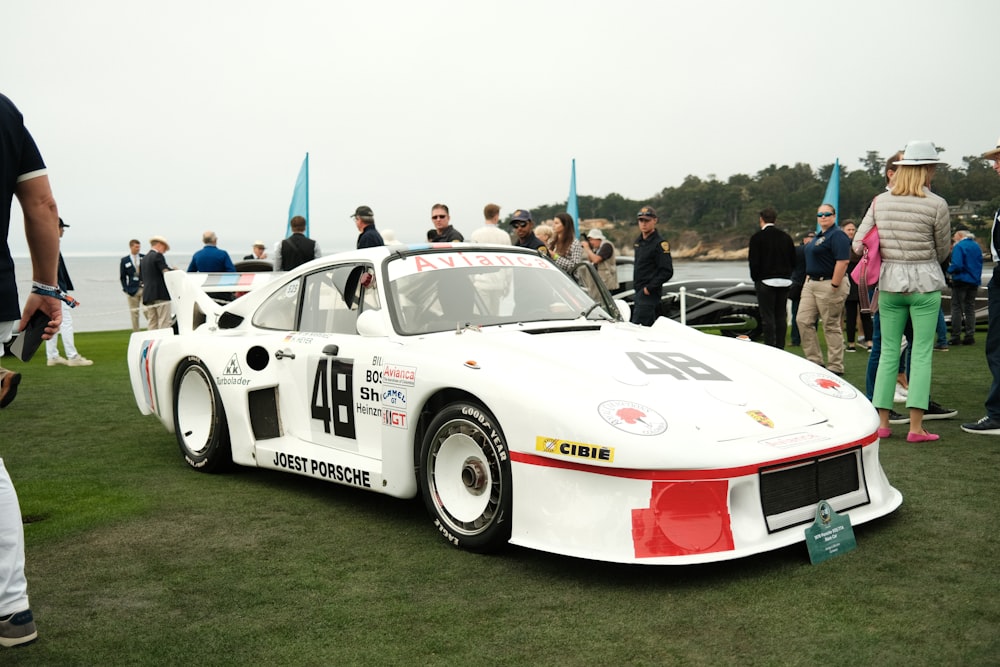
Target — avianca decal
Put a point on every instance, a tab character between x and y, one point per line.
433	262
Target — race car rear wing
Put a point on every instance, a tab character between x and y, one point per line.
197	298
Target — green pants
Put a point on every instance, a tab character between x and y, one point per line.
894	309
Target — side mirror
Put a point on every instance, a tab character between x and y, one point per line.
371	324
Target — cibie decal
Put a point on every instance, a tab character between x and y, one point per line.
575	449
761	418
829	385
633	418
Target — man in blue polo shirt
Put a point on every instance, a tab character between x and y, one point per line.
211	259
825	291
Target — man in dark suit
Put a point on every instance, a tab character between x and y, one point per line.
772	261
128	274
297	249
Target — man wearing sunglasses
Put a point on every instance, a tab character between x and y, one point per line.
524	230
825	291
442	223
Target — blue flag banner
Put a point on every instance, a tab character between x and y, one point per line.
571	207
832	196
300	198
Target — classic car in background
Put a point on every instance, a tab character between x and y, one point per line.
725	305
520	409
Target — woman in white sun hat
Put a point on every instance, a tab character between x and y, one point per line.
914	238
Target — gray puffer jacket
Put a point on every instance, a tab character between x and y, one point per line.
914	238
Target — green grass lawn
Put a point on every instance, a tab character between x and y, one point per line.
135	559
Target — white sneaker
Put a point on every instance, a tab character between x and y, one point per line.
78	361
901	394
57	361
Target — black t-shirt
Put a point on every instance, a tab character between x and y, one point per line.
19	156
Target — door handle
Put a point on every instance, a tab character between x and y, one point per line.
284	354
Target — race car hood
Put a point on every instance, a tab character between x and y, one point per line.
690	391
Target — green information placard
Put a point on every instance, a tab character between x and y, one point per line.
830	534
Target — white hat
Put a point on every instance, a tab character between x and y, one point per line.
596	234
919	152
159	239
989	155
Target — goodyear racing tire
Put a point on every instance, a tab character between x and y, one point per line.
464	472
200	420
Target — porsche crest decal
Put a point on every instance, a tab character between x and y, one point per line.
761	418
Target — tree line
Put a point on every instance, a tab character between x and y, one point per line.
717	209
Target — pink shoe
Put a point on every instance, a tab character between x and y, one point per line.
883	432
922	437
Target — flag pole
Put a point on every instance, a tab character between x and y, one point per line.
571	207
300	198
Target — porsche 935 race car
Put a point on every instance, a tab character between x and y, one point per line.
521	410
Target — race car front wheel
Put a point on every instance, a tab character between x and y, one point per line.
465	477
199	419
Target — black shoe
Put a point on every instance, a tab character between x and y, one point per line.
896	418
955	341
985	426
940	348
937	411
968	340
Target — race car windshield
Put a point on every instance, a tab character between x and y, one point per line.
446	291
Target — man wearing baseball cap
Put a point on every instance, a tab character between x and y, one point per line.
524	230
369	237
990	424
653	267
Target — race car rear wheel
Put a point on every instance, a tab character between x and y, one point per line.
200	420
465	477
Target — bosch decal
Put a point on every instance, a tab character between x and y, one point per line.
791	440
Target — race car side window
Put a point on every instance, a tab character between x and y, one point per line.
325	308
279	310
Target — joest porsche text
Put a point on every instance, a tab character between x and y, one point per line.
322	469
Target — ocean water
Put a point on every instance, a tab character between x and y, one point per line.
103	306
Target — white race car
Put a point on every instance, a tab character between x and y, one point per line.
488	381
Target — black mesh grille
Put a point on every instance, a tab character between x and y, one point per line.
805	483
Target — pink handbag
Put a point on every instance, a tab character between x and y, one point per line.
866	273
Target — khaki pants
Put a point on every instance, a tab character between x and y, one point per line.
134	306
158	315
820	299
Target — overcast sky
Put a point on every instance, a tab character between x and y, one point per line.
175	117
